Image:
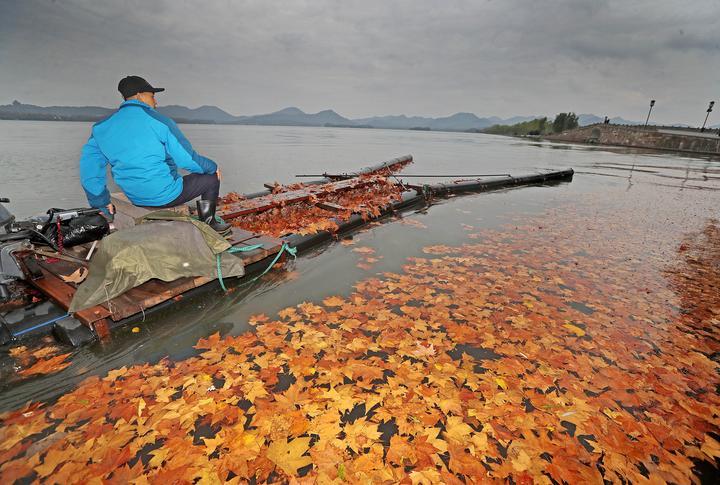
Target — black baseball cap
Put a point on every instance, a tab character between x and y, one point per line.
131	85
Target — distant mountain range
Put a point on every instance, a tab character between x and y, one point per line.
285	117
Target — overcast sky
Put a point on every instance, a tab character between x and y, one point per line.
364	58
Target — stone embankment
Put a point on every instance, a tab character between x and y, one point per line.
640	137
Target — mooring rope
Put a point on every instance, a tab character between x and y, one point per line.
241	249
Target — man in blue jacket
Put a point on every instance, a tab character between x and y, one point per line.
145	150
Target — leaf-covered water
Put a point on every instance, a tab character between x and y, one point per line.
564	333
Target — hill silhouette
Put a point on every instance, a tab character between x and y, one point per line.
291	116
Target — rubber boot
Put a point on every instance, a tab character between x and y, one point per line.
206	213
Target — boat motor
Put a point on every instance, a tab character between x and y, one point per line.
13	237
20	314
58	229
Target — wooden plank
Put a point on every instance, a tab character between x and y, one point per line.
60	268
65	256
101	328
269	243
329	206
62	293
252	239
270	246
239	235
149	294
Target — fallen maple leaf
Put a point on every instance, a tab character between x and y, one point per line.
17	351
289	455
423	351
413	223
400	452
428	476
333	301
77	277
115	373
47	366
361	434
575	329
209	342
711	447
259	318
521	461
501	382
457	430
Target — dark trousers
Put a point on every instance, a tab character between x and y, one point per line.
206	186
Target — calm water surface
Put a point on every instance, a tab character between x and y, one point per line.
39	160
39	169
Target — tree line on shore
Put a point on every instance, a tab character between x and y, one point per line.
538	126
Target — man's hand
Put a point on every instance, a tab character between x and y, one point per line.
218	173
110	208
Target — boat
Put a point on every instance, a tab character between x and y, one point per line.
37	283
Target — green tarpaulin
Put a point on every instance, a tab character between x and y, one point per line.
167	246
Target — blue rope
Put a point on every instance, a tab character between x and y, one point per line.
39	325
285	248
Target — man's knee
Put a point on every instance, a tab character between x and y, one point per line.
211	186
211	182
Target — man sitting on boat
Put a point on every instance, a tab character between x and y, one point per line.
145	150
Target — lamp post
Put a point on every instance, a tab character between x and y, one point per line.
652	103
709	110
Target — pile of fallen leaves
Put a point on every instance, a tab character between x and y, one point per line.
558	350
231	198
44	359
309	218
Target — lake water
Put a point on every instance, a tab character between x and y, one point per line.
39	160
619	226
39	170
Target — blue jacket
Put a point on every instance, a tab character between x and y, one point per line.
144	150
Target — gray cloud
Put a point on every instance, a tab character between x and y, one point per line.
371	57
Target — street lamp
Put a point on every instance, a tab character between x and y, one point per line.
652	103
709	110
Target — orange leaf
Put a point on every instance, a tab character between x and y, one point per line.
47	366
333	301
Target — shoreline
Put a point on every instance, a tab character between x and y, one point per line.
651	138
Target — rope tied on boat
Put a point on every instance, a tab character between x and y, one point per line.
241	249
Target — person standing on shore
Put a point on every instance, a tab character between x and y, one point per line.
145	150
